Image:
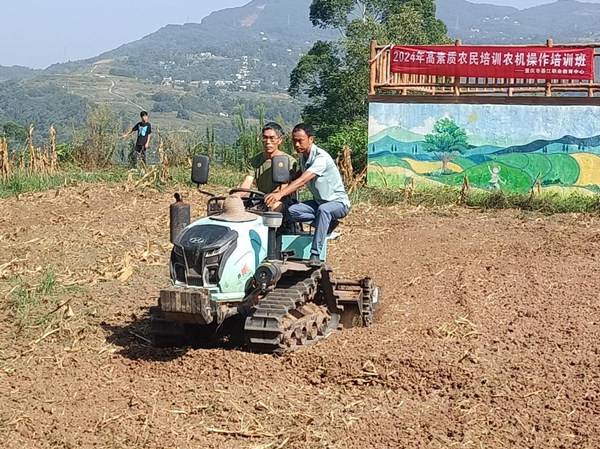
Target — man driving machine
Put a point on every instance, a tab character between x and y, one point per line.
259	172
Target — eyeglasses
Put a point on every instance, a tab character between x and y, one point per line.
265	138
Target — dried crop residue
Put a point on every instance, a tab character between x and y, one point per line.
486	336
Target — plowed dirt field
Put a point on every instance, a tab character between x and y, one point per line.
486	337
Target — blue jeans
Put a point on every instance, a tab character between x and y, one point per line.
324	218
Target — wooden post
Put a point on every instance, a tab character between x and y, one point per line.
457	43
549	43
373	73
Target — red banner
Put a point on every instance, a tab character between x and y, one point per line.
495	62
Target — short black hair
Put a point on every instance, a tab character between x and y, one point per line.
143	113
304	127
275	127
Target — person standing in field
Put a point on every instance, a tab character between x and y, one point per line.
144	131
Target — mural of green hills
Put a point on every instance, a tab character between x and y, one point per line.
507	147
519	172
397	133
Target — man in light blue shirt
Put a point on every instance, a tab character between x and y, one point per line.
322	177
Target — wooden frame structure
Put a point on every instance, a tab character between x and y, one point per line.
382	80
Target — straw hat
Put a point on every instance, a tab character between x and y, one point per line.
234	211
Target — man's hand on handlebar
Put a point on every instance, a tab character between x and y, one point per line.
272	199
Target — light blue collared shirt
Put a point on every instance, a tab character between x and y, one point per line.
327	185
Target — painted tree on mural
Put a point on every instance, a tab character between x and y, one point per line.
446	142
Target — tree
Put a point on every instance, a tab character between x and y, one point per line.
96	144
16	135
14	132
334	76
249	141
446	142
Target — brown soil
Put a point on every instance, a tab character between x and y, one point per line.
486	336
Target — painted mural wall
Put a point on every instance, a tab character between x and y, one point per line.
509	148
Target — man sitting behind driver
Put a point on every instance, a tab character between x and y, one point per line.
258	170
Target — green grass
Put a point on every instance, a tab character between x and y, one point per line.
19	183
384	181
219	176
24	302
547	203
32	305
378	191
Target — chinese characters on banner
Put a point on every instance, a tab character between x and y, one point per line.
495	62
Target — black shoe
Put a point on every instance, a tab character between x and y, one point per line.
314	261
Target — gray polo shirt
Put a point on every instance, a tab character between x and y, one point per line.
327	185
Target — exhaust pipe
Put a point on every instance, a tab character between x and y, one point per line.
180	216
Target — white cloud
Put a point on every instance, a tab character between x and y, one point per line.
426	127
428	124
375	126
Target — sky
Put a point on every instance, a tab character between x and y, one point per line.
522	4
38	33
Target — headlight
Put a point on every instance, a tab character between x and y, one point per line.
211	260
216	251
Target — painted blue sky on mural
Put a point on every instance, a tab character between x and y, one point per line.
487	124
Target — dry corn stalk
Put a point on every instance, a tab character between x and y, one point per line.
409	187
53	155
5	166
165	173
344	163
358	180
32	165
464	191
41	162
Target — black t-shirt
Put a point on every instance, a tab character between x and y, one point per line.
143	129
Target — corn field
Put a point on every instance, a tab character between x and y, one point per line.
32	161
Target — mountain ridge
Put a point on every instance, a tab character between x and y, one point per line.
244	55
287	22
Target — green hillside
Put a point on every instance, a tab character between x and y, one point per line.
390	160
553	168
397	133
190	76
463	162
514	179
565	170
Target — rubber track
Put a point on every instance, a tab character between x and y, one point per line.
264	329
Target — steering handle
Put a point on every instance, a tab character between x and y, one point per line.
254	193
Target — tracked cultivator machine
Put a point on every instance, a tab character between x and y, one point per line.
231	266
